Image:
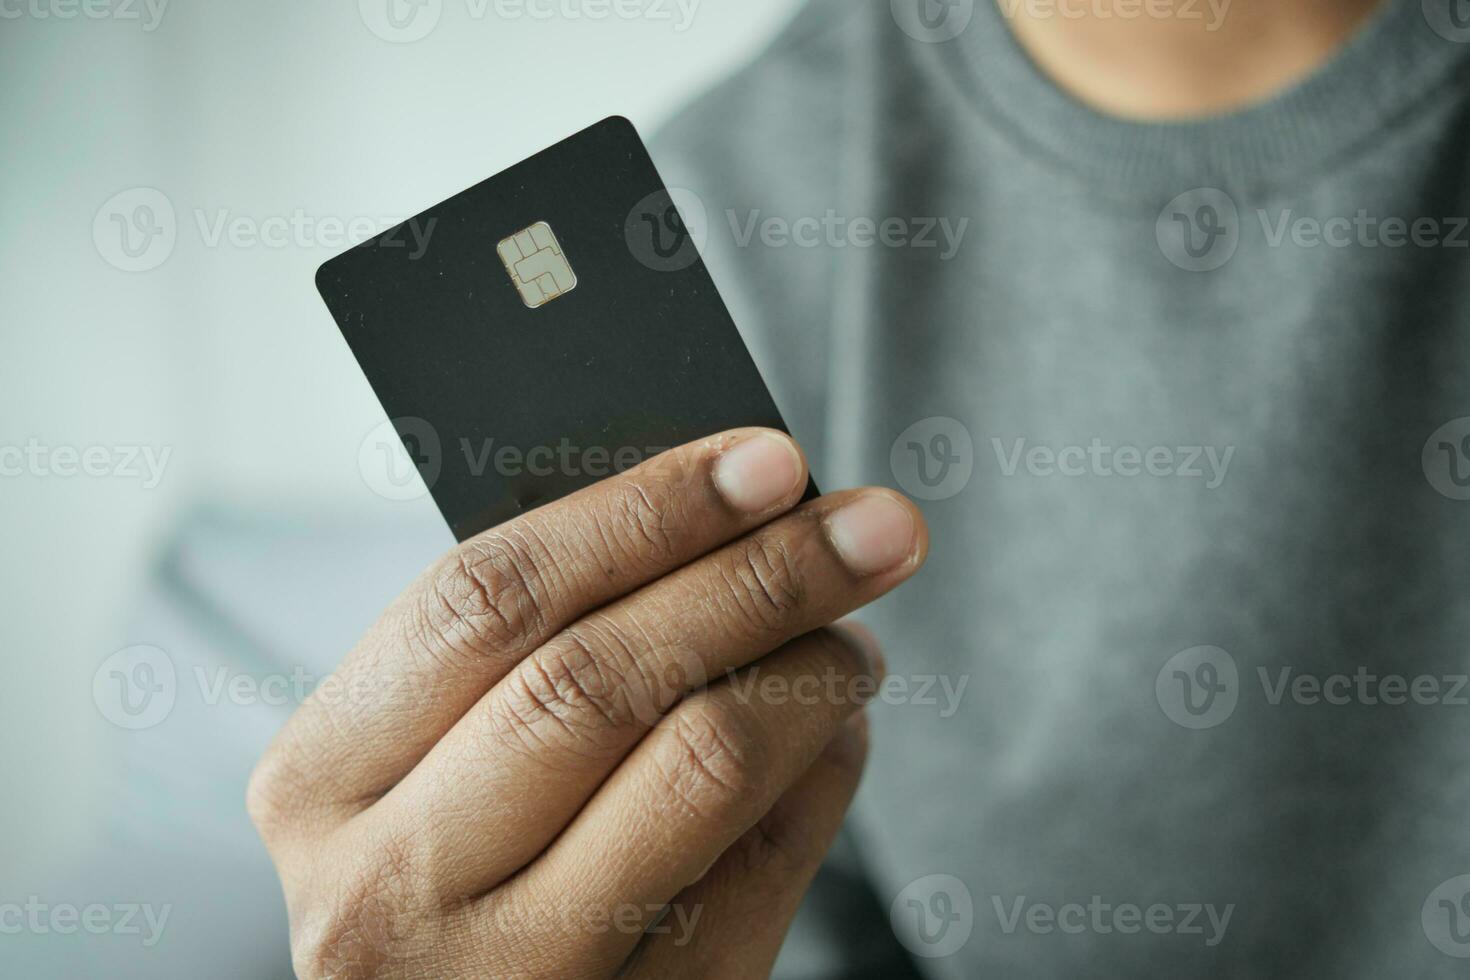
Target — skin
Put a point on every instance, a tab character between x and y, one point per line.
546	740
1223	56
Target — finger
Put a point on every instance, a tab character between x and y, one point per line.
695	785
555	728
731	923
489	602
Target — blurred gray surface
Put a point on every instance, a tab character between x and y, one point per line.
236	599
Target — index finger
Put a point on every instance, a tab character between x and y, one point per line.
491	601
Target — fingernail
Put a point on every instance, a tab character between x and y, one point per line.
758	473
872	534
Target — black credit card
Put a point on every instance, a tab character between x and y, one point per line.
546	328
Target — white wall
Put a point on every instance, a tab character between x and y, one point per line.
223	355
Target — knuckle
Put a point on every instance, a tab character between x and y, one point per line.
776	847
361	920
766	583
271	794
836	664
840	654
712	763
329	944
491	591
649	515
571	685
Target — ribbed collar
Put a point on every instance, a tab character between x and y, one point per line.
1395	63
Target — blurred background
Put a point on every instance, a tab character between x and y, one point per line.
177	409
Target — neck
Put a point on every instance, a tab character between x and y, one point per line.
1180	59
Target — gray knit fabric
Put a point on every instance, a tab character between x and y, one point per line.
1185	406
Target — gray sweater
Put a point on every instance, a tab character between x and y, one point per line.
1182	689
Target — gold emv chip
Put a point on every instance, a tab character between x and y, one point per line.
534	259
